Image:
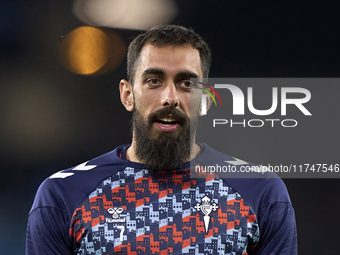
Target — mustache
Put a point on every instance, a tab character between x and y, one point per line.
180	117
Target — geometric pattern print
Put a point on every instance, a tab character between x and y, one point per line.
141	212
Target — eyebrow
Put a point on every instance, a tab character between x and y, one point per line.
187	74
157	71
153	71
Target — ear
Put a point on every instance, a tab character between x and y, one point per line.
209	100
126	95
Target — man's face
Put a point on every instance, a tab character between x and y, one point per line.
162	93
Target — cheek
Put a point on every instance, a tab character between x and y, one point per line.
145	105
149	100
194	102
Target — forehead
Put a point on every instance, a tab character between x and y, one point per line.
170	59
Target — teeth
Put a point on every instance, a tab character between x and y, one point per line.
167	119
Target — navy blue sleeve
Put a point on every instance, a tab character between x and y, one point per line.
47	233
277	230
275	215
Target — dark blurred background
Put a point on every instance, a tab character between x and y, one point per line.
53	118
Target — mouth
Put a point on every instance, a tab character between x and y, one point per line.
167	120
166	123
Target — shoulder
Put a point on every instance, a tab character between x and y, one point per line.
260	192
65	189
259	188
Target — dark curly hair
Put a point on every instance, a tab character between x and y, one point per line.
166	35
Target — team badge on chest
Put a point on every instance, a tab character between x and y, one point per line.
206	207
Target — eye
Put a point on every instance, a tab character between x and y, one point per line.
187	84
153	82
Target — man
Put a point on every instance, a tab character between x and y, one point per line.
141	198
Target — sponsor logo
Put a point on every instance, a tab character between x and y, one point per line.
115	212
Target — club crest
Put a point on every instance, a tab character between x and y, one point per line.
206	207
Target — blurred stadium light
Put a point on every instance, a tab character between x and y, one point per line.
127	14
92	51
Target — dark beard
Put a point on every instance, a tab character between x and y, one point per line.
163	150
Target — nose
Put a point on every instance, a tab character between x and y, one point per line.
170	97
